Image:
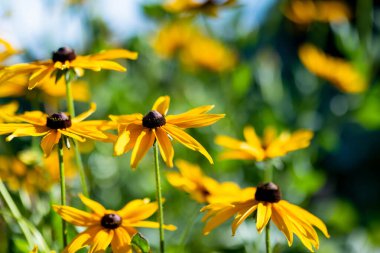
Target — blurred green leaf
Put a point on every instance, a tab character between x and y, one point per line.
140	244
242	79
368	115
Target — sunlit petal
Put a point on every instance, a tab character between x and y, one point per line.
166	148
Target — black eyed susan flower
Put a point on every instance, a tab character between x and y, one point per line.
254	148
105	227
341	73
139	132
202	188
53	127
268	205
66	59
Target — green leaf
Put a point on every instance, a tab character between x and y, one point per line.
242	79
140	244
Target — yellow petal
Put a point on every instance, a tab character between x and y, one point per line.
49	140
115	54
72	135
143	143
138	210
131	206
93	205
264	212
218	218
121	241
283	223
111	65
121	143
151	224
101	240
166	148
76	217
192	121
251	137
20	130
84	115
242	217
162	105
187	140
82	239
33	117
39	76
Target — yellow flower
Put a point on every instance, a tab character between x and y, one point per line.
54	126
139	132
8	50
16	87
194	49
8	110
269	147
267	203
105	227
203	188
65	59
307	11
336	70
208	7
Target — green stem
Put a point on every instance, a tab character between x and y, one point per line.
63	188
16	214
159	198
268	172
78	158
267	238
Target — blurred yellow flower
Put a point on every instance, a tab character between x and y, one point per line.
30	172
267	203
306	11
65	59
54	126
270	146
140	132
336	70
7	111
209	7
105	227
7	51
203	188
194	49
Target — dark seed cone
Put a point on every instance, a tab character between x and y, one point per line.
64	54
268	192
58	121
111	221
153	119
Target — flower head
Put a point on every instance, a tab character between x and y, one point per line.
53	127
105	227
65	59
139	132
267	203
339	72
203	188
209	7
269	147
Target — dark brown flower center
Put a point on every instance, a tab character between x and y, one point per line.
268	192
58	121
153	119
64	54
111	221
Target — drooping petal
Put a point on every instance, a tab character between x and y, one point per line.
101	241
264	212
84	115
162	105
121	241
93	205
242	217
121	143
187	140
20	130
166	148
49	140
143	143
76	217
70	134
218	218
82	239
39	77
283	223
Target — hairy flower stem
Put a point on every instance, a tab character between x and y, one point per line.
78	158
267	238
63	188
159	198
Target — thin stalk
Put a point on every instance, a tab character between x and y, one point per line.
267	238
63	188
159	198
16	214
268	172
78	158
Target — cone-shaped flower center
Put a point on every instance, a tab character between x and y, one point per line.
58	121
64	54
111	221
268	192
153	119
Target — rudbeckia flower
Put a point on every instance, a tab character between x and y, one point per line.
209	7
140	132
307	11
105	227
203	188
66	59
266	201
339	72
269	147
53	127
7	111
